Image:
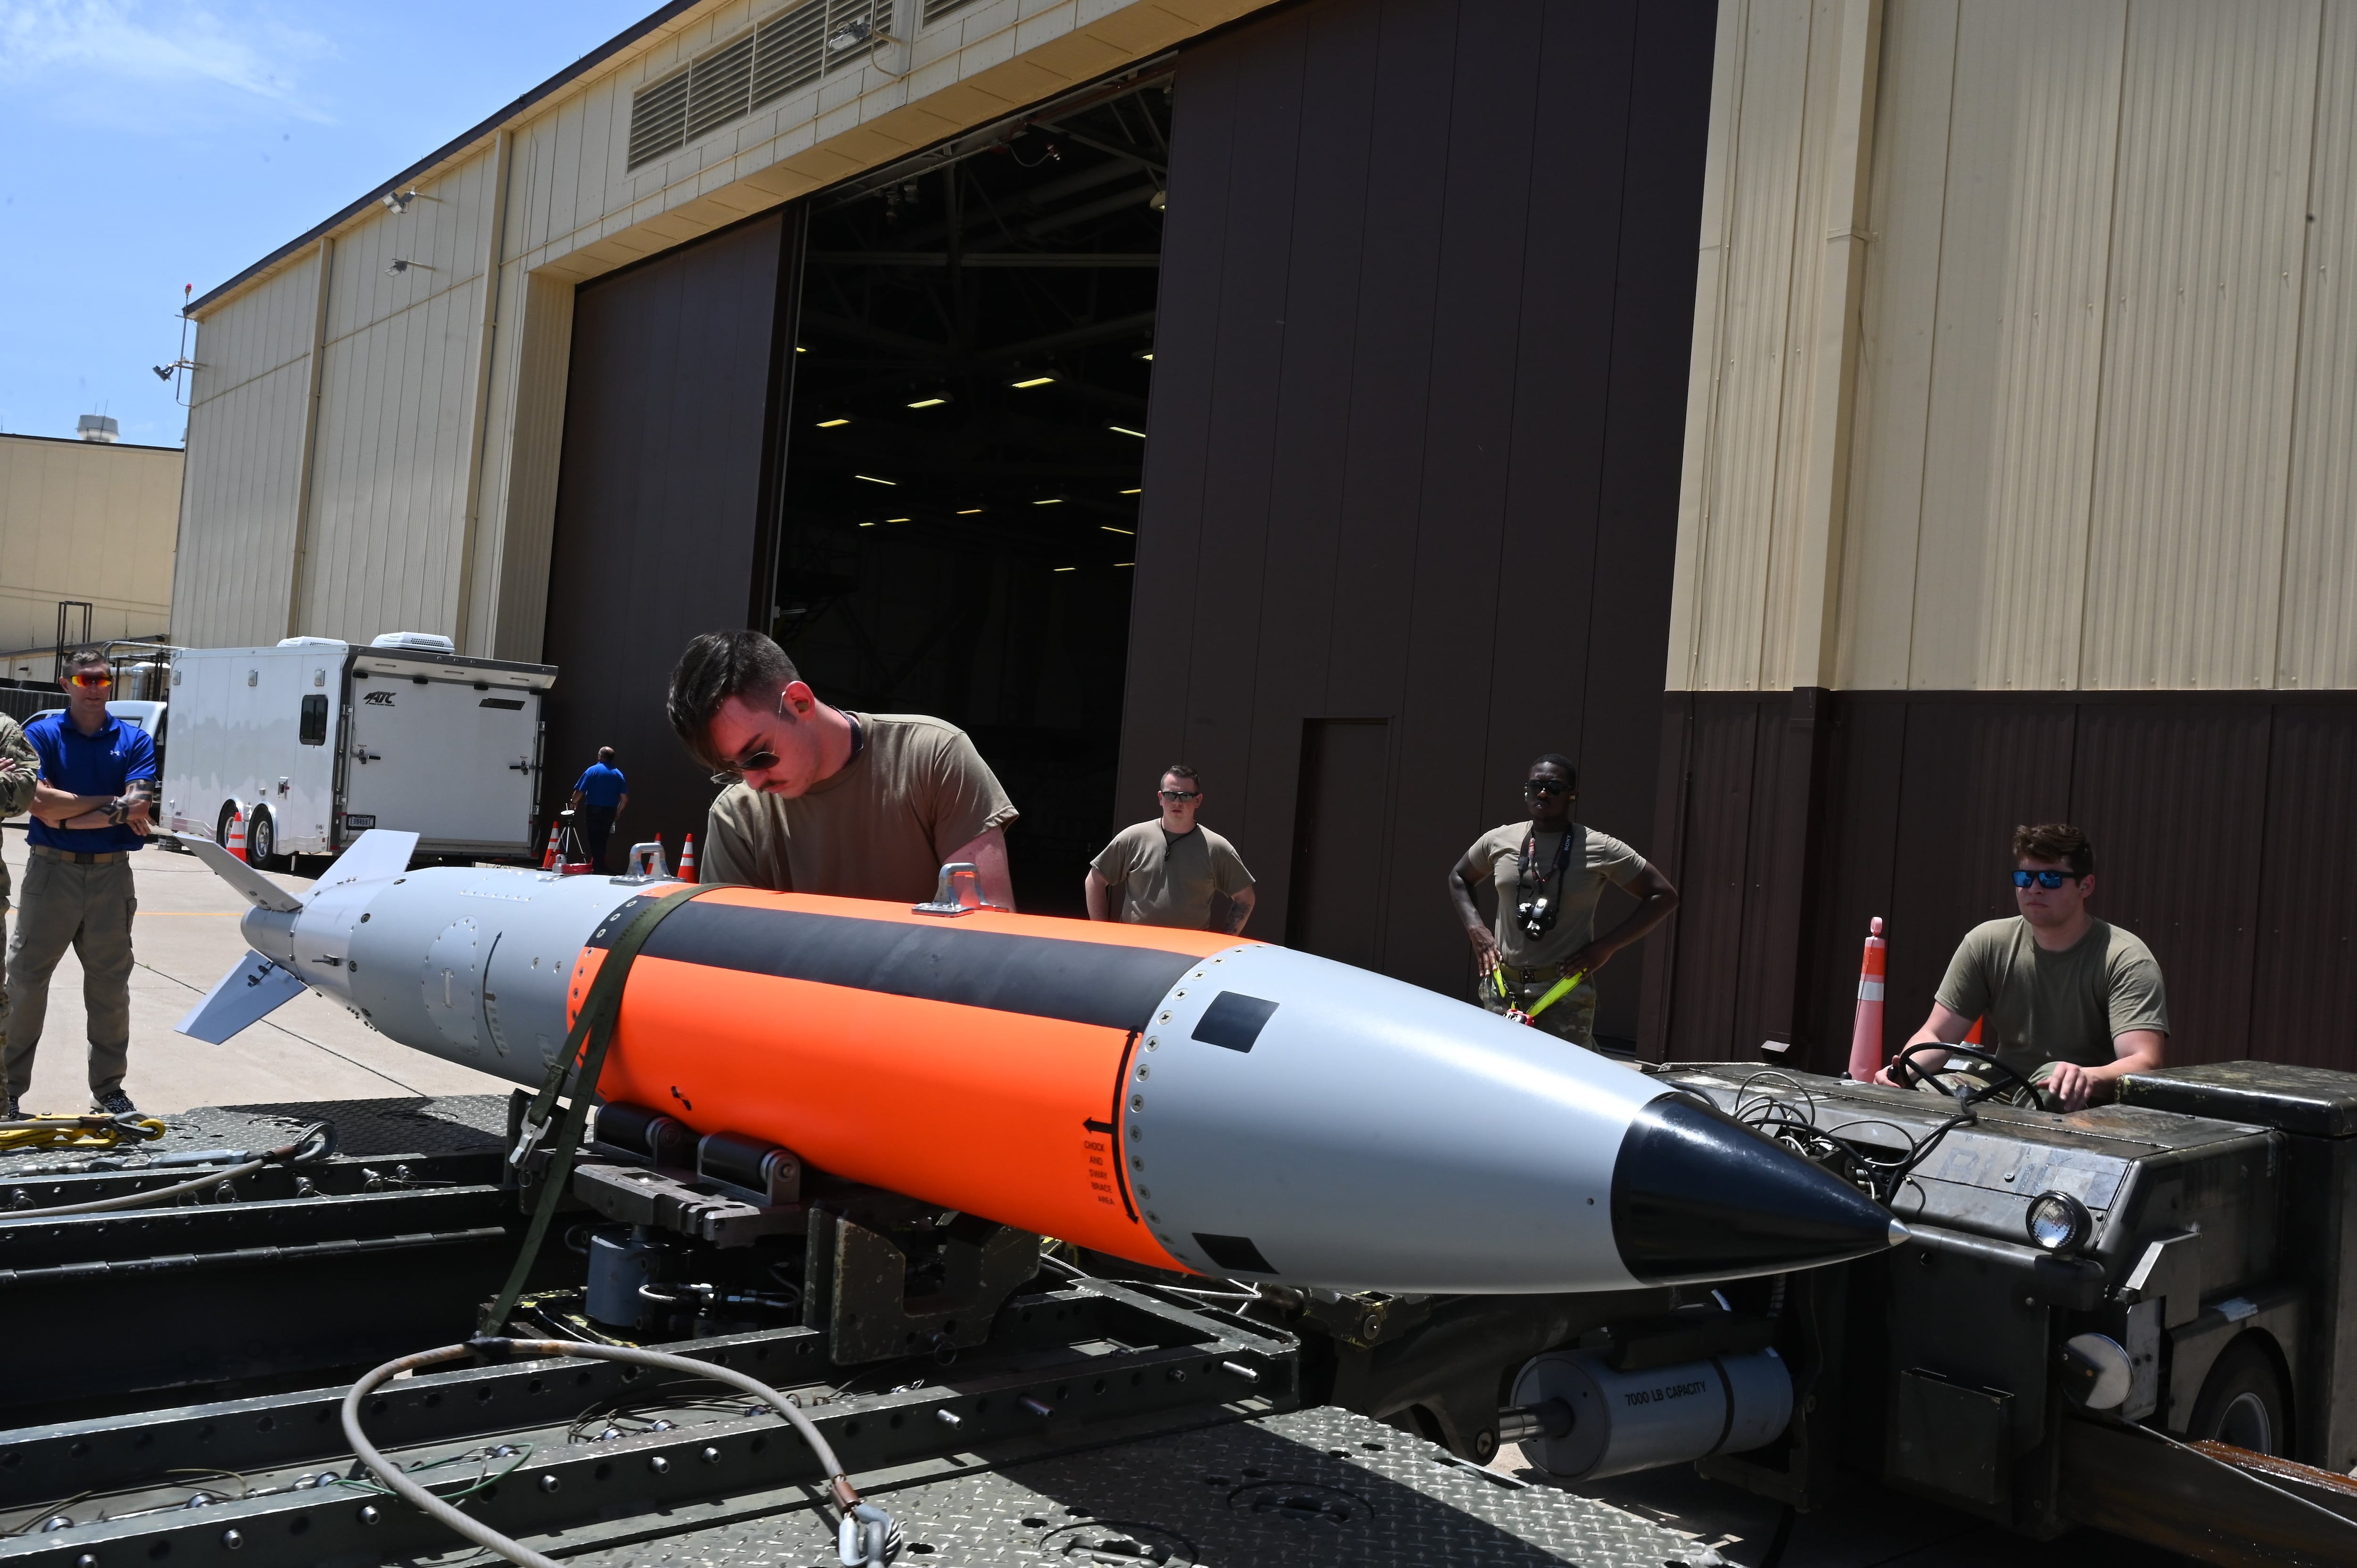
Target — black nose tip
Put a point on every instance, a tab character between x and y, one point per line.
1698	1196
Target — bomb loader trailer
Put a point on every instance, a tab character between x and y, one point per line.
720	1236
228	1403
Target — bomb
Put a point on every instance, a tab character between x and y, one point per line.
1183	1100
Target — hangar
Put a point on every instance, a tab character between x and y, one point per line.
1850	428
1121	381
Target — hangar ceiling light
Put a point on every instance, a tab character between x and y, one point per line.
1125	430
928	402
1034	381
874	480
831	423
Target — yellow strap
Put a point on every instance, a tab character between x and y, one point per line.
1562	987
1497	979
71	1133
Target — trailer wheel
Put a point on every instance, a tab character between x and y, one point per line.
2242	1402
261	841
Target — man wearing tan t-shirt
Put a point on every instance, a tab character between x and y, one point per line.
1549	872
822	801
1169	869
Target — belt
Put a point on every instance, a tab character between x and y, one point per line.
46	853
1521	976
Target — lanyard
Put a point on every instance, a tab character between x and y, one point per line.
1530	854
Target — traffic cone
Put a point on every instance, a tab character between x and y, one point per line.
236	845
1973	1038
1866	1031
548	856
687	859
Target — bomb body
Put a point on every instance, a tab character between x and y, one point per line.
1181	1100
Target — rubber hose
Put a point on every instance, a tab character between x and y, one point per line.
142	1199
286	1152
474	1530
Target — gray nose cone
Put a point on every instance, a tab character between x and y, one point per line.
1698	1196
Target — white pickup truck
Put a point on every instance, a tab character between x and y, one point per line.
318	740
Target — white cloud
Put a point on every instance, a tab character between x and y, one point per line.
78	49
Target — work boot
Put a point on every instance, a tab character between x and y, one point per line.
15	1109
114	1103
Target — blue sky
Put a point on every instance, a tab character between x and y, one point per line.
145	145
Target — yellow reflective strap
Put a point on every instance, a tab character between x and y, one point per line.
1562	987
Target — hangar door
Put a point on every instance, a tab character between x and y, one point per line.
676	362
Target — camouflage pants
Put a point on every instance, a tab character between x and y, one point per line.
1571	1017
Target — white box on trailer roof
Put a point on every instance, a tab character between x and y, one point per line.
318	740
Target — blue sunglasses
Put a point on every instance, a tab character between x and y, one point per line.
2050	880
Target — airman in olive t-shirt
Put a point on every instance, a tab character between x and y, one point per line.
2069	1003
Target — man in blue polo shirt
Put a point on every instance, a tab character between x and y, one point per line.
598	797
90	814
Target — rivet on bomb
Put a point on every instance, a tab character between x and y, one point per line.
1137	1103
1143	1072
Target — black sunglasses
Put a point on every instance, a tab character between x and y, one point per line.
2050	880
1546	787
732	772
1178	794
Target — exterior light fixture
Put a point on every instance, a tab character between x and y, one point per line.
850	36
399	200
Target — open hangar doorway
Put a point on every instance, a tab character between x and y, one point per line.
958	510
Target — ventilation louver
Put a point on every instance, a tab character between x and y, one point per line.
788	50
936	9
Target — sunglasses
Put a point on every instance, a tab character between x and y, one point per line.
2050	880
732	772
90	680
1546	787
1178	794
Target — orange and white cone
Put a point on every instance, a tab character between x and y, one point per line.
687	860
1865	1031
236	845
548	856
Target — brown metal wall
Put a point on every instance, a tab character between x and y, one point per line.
2221	831
1420	382
660	504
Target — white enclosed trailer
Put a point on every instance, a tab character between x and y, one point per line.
319	740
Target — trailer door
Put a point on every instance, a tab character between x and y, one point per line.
442	759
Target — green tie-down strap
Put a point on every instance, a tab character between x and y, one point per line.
593	1031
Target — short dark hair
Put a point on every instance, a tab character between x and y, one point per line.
1556	759
83	658
717	666
605	754
1182	770
2055	841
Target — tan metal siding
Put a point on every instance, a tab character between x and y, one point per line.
1764	150
88	521
2316	637
1896	359
2019	338
244	464
2184	561
2105	419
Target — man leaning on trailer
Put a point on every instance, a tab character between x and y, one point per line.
90	814
822	799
